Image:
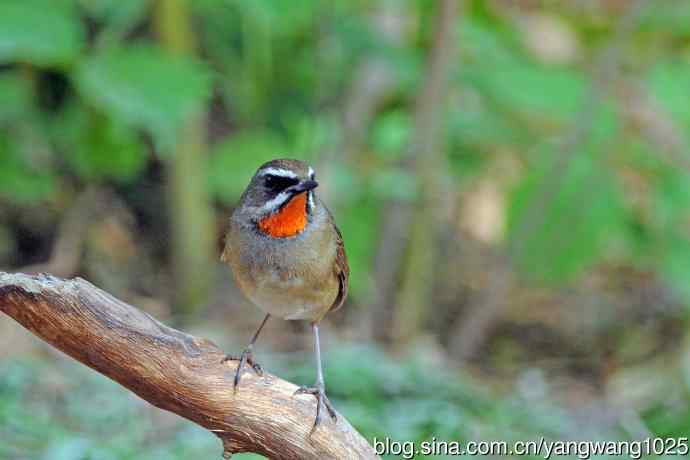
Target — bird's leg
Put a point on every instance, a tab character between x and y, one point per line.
247	357
318	390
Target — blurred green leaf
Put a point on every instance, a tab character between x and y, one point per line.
666	17
98	147
672	199
115	18
391	134
478	125
534	91
669	421
501	71
40	32
563	213
15	96
675	263
670	209
394	183
309	134
466	162
113	10
281	17
72	448
145	87
412	401
20	181
482	42
234	161
92	418
670	83
358	223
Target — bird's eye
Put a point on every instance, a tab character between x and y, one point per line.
278	183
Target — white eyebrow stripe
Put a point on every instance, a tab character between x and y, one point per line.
274	203
278	172
311	172
311	201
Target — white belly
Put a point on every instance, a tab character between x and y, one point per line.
290	297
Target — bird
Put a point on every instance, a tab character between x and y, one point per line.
288	258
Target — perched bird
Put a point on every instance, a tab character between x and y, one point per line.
288	257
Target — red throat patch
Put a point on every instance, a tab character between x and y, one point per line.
289	221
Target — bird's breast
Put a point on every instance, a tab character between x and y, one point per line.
289	221
289	278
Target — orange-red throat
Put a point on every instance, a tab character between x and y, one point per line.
290	220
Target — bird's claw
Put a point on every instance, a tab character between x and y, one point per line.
321	400
247	357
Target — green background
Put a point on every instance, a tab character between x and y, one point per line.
520	249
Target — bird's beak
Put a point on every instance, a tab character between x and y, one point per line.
304	186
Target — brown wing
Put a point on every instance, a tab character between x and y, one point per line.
341	269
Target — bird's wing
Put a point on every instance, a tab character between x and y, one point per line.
341	269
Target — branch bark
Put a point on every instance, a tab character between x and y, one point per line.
176	371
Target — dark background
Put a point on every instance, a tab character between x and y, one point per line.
510	178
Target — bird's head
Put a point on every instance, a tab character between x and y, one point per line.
280	197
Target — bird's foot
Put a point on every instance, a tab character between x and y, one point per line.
319	393
247	357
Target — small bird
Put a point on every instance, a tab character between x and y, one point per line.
288	258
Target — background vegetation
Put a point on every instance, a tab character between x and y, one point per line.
511	179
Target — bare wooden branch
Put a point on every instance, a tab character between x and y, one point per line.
175	371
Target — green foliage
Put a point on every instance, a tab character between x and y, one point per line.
505	76
480	126
21	180
553	95
282	18
26	172
40	32
673	18
392	134
358	220
15	97
670	83
563	214
672	199
675	263
146	88
93	418
85	84
415	401
281	73
97	147
671	208
116	17
114	11
394	183
308	135
234	162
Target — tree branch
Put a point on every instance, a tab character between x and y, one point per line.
175	371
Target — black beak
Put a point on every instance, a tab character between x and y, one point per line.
304	186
